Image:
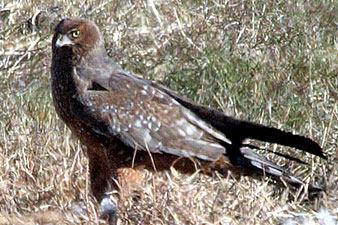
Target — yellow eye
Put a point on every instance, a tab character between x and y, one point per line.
75	33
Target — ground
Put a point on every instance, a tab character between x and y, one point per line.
266	61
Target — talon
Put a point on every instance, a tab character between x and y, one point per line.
108	210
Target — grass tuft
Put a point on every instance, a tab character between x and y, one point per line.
273	62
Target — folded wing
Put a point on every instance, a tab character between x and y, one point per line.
146	118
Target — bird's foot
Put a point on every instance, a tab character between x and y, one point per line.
108	210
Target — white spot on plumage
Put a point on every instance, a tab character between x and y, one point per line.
118	129
294	179
137	123
181	132
146	137
146	105
125	128
274	171
206	127
190	129
156	129
257	164
174	101
181	122
156	126
121	114
112	127
204	157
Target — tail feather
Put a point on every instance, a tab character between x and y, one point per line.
256	163
276	153
274	135
239	130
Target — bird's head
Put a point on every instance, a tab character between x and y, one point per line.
79	34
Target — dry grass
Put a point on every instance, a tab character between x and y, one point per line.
266	61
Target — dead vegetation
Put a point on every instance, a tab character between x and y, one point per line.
266	61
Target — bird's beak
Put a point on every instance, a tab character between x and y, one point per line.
63	40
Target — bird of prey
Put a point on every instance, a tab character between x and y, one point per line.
127	122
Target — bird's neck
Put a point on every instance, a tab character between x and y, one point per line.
95	64
93	55
62	68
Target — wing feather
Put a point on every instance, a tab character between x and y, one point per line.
146	118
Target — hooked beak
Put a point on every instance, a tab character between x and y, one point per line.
63	40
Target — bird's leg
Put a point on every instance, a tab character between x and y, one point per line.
100	172
109	209
126	180
110	179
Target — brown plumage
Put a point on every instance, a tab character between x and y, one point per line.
129	122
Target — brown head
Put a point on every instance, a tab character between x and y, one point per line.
80	34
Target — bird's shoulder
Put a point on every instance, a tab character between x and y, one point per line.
136	105
120	89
